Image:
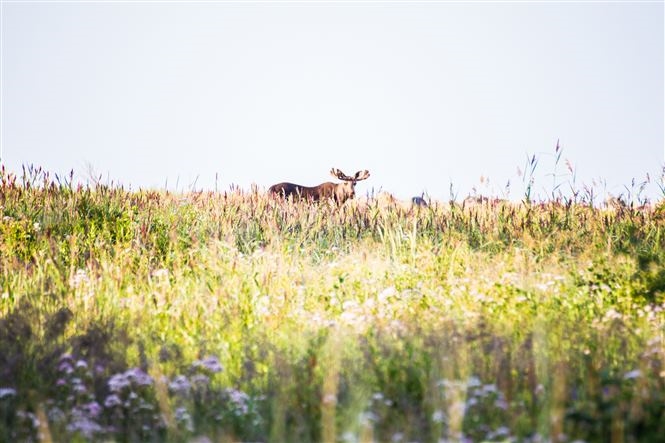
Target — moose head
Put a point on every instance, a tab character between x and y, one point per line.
339	192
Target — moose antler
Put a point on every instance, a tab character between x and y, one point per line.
340	175
360	175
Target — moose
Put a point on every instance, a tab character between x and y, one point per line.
339	192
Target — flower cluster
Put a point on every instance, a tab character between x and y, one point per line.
195	395
128	402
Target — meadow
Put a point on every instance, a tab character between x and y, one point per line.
232	316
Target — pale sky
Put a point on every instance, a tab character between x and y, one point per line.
421	94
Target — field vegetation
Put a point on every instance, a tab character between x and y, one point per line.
233	316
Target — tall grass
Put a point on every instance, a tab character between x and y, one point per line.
158	316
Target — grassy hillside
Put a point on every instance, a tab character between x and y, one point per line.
153	316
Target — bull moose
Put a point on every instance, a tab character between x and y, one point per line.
339	192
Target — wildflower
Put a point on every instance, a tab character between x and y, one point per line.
240	400
81	364
438	416
56	415
349	305
348	436
377	396
501	403
139	377
612	314
263	305
145	405
182	416
79	387
500	432
473	382
30	418
386	294
631	375
92	409
7	392
65	366
209	363
489	389
79	278
180	385
160	273
118	382
84	426
368	417
112	401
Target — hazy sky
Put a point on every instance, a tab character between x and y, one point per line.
421	94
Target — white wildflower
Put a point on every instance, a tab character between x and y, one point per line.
631	375
263	305
160	273
438	416
79	278
388	293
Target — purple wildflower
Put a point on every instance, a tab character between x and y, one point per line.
182	416
66	367
139	377
210	363
7	392
81	364
84	426
118	382
112	401
239	400
180	385
56	415
92	409
200	380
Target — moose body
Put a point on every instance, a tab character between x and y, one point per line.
339	192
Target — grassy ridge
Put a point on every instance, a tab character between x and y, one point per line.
149	315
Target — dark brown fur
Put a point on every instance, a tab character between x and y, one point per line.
339	192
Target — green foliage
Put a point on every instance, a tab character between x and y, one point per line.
155	316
